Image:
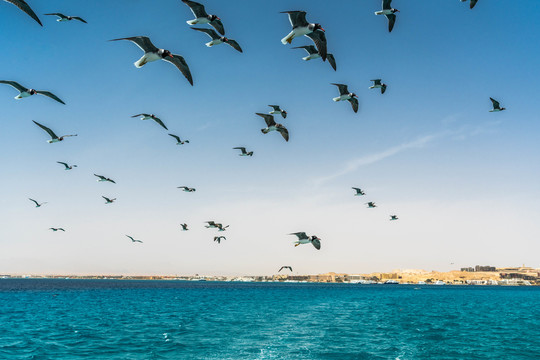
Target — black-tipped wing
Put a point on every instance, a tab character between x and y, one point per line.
79	18
275	107
332	61
49	131
196	8
101	177
182	65
63	163
297	18
319	38
60	15
316	243
496	104
234	44
15	84
134	116
309	48
301	235
34	201
209	32
158	120
218	25
143	42
269	119
376	81
284	132
354	103
176	137
241	148
383	89
21	4
343	89
387	4
391	21
473	2
51	95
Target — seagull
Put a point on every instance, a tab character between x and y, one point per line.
344	94
278	111
133	240
37	204
201	17
21	4
54	138
103	178
152	53
377	84
62	17
184	227
178	141
272	125
56	229
300	26
25	92
389	12
313	54
371	204
285	267
186	189
473	2
216	39
108	201
244	152
304	239
221	227
393	217
496	106
359	192
67	167
151	117
211	224
219	238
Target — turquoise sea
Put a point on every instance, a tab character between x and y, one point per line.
119	319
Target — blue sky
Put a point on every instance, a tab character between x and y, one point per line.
463	181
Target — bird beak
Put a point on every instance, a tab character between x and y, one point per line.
170	55
323	30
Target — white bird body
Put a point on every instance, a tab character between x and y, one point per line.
200	20
276	112
50	141
311	57
23	95
375	86
146	58
342	97
299	31
214	42
384	12
303	241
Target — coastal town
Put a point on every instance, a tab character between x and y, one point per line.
477	275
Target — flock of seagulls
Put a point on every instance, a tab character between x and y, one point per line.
300	27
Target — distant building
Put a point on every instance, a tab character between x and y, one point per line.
484	268
467	269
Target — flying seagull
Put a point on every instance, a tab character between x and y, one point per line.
220	227
186	189
151	117
26	92
313	54
184	227
211	224
393	217
201	17
133	240
67	167
285	267
152	53
103	178
56	229
496	106
62	17
273	126
359	192
54	138
21	4
216	39
35	202
473	2
243	150
344	94
377	84
389	12
371	204
178	141
219	238
108	201
300	26
304	239
278	111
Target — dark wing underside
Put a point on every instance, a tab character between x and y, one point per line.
284	132
496	104
158	120
473	2
387	4
234	45
142	42
79	18
332	61
218	25
316	243
196	8
269	119
297	18
319	38
301	235
49	131
391	21
209	32
354	103
21	4
15	84
182	65
343	89
51	95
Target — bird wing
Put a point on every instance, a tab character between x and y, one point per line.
241	148
132	239
496	104
134	116
281	268
343	89
143	42
391	21
49	131
234	44
297	18
176	137
15	84
383	89
21	4
387	4
218	25
101	177
309	48
107	199
376	81
63	163
269	119
196	8
319	38
79	18
354	103
301	235
332	61
158	120
111	180
209	32
316	243
211	223
60	15
284	132
473	2
34	201
182	65
51	95
275	107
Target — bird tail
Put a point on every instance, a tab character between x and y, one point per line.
288	39
264	131
140	63
192	22
337	98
